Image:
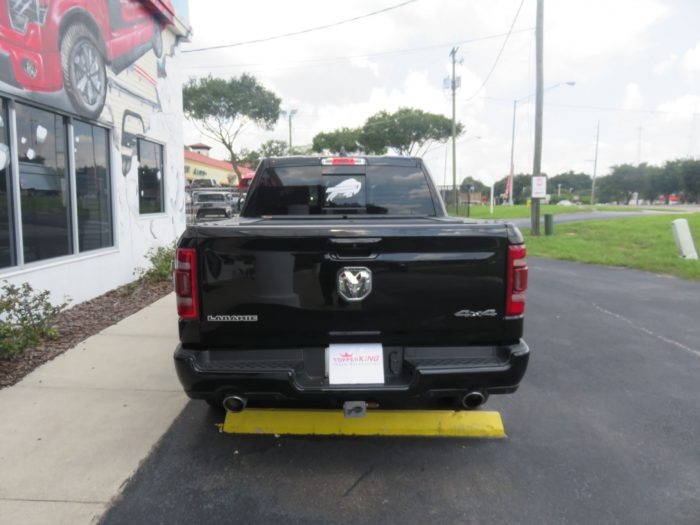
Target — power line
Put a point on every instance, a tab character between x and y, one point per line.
302	31
599	108
368	55
621	110
500	52
439	144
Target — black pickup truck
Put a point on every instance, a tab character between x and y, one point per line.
344	280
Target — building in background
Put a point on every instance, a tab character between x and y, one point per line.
200	166
91	168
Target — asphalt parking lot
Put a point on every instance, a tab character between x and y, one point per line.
603	430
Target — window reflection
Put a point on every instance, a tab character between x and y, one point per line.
399	191
41	141
93	186
315	190
150	177
6	240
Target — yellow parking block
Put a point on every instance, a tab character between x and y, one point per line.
445	423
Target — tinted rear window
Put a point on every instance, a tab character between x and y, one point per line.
318	190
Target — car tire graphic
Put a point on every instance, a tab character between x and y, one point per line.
83	68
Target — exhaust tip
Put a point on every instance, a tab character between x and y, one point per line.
234	404
473	400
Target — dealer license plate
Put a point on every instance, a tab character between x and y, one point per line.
356	364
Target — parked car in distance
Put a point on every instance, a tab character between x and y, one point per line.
204	183
245	181
212	203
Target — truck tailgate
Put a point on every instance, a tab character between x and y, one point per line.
267	283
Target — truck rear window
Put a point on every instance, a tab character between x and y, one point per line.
211	197
319	190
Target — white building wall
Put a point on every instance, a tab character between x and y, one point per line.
157	84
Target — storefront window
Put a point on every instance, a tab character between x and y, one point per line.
6	234
93	186
150	177
41	141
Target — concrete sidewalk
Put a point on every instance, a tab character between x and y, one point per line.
74	430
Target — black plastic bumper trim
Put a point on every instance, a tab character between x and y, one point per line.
281	374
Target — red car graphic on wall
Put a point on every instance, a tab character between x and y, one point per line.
49	45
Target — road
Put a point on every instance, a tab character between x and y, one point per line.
561	218
603	430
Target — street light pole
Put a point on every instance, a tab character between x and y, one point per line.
570	83
512	153
453	54
289	118
470	189
539	99
444	175
639	146
595	163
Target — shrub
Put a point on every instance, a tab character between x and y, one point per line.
161	261
25	317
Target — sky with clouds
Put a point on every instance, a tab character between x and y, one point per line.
636	64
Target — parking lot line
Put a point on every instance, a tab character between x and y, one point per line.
444	423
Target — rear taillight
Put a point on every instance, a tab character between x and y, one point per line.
517	281
186	283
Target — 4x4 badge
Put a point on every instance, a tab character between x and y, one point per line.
354	283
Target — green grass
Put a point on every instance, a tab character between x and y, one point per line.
644	243
522	211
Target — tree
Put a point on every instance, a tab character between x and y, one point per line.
249	158
409	131
691	180
306	151
578	183
223	108
686	173
270	148
657	182
521	187
622	183
273	148
478	186
335	141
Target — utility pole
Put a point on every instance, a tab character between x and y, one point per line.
512	153
470	190
289	114
691	137
639	147
595	163
444	176
453	54
511	177
539	102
